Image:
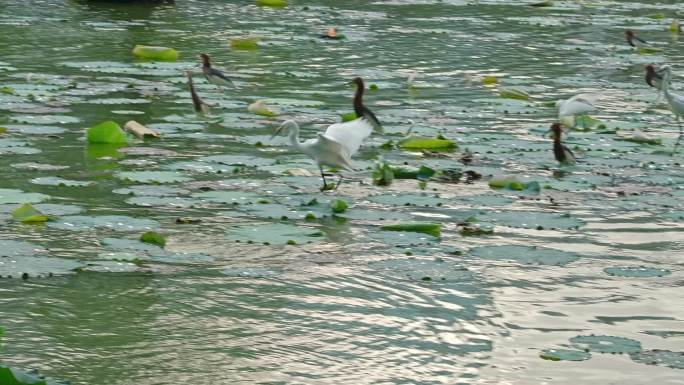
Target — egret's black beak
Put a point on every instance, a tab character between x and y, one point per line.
277	131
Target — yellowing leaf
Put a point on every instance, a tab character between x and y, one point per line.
422	143
511	93
26	213
245	43
155	53
429	228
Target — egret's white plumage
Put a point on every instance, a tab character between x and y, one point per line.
675	101
335	147
580	104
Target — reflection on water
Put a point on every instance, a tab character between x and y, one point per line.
325	299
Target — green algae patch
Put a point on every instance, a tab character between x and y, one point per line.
272	3
422	143
155	53
430	228
26	213
108	132
154	238
512	93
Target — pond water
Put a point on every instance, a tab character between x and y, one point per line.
261	283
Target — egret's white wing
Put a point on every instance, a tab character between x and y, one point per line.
577	105
676	103
350	134
332	153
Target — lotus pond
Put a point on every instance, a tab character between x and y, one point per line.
524	272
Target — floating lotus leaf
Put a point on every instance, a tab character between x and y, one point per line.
275	234
45	119
408	199
658	357
36	130
18	196
131	245
57	181
35	266
34	166
636	271
110	267
607	344
228	196
10	248
565	355
152	191
424	270
402	238
237	160
152	176
532	220
374	215
525	254
105	222
155	53
152	201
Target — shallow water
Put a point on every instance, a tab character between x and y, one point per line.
598	251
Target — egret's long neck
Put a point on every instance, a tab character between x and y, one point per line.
358	100
294	136
666	85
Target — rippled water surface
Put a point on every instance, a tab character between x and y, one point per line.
260	292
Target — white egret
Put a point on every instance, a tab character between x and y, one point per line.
213	75
675	101
580	104
333	148
562	153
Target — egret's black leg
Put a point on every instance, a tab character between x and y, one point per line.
679	139
339	182
325	185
